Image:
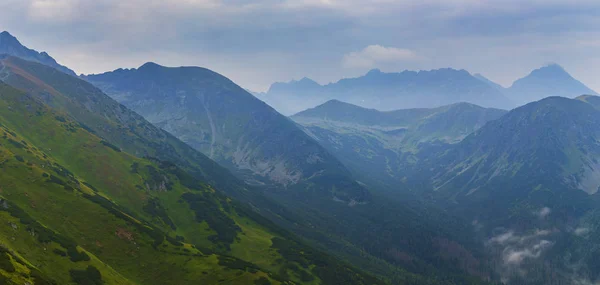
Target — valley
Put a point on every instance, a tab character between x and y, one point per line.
170	174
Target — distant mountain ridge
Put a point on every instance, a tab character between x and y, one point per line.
11	46
335	110
388	91
304	84
424	89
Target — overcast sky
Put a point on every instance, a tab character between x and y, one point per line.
258	42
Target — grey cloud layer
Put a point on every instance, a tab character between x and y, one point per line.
258	42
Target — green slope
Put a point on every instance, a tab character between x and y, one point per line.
214	115
75	201
108	119
369	235
124	128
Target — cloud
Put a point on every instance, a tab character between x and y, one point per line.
584	281
285	39
477	226
509	237
581	231
310	3
543	212
52	10
517	251
374	55
503	238
517	256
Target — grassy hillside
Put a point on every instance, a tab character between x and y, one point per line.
333	211
371	235
103	116
81	210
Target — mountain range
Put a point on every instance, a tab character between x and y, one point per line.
424	89
89	186
83	216
378	146
527	178
181	207
532	173
176	175
266	149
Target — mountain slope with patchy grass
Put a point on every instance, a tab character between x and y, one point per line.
98	214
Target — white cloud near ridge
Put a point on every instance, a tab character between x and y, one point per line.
373	55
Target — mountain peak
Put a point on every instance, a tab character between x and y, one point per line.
149	65
10	45
6	34
339	111
552	66
334	103
175	93
374	71
304	84
551	70
8	40
549	80
538	110
307	81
